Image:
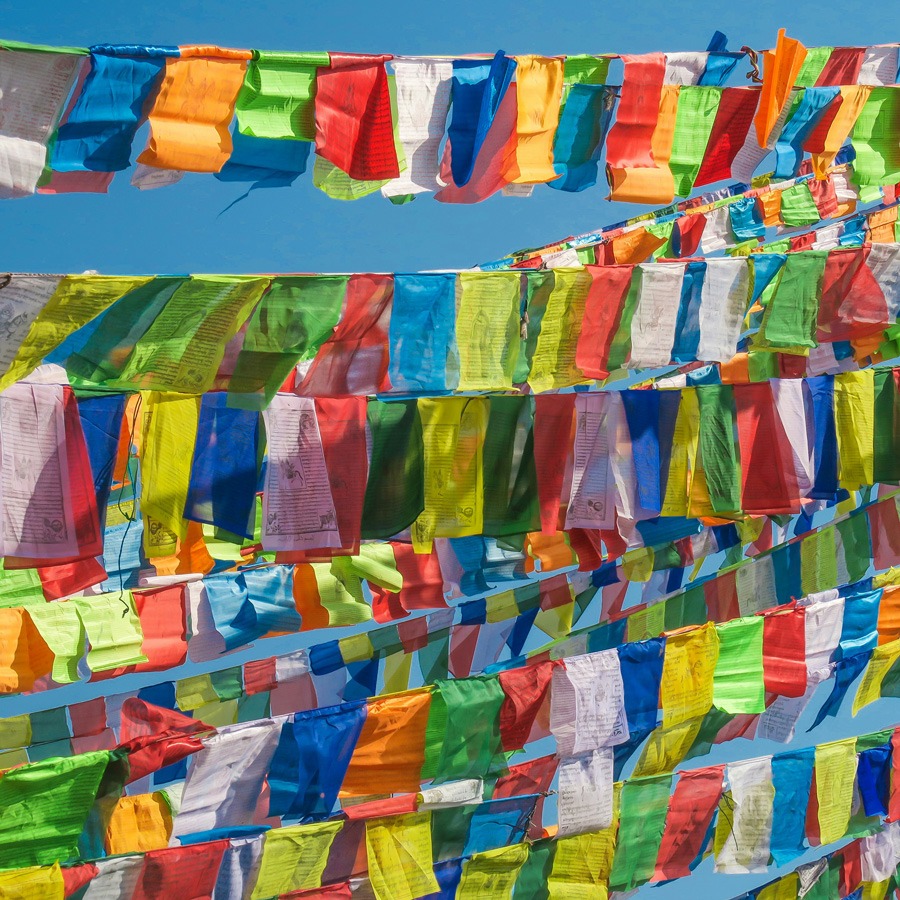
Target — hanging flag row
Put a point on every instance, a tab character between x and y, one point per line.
606	463
338	335
696	225
751	812
461	128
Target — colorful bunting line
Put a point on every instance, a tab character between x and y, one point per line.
462	129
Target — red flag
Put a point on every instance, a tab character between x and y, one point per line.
342	424
375	809
721	598
690	230
851	868
630	138
463	641
70	578
784	652
852	304
691	809
76	877
155	737
532	777
884	527
602	313
260	676
733	120
843	67
423	583
189	871
326	892
526	690
354	130
769	482
553	420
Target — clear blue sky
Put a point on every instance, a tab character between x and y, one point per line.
179	229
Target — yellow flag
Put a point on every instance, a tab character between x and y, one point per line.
582	864
667	747
539	85
487	329
783	889
294	858
553	365
854	419
399	854
675	503
170	430
139	823
492	874
453	430
835	774
15	732
35	883
686	690
883	657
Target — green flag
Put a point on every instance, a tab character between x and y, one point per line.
44	806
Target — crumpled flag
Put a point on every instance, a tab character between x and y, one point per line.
193	108
277	97
98	131
354	358
526	691
539	85
354	130
308	768
477	92
294	858
423	100
34	883
876	139
113	630
155	737
492	873
24	655
584	121
225	780
34	87
398	851
487	175
829	136
390	752
267	162
138	823
166	873
689	816
184	345
734	118
76	300
781	67
292	319
853	303
44	807
814	104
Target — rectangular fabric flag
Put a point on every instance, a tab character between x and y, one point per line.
354	130
294	858
398	851
277	97
192	110
746	845
298	510
34	85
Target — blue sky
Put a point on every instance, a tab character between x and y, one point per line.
183	228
